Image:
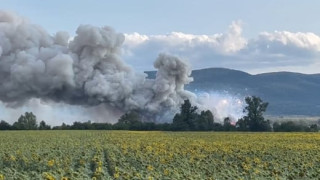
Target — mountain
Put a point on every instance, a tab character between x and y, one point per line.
288	93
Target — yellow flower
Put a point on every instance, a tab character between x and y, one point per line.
12	158
149	148
48	176
1	177
98	170
257	160
51	163
150	168
138	175
166	172
116	175
100	163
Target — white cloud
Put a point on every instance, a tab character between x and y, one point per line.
231	41
278	50
301	40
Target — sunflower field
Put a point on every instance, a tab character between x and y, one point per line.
64	155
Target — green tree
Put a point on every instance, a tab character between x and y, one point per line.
254	120
291	126
314	128
187	118
179	124
44	126
205	121
227	126
4	125
129	120
28	121
64	126
242	124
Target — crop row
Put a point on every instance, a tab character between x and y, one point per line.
158	155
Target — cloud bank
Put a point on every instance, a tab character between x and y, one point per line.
269	51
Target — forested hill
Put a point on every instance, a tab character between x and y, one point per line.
288	93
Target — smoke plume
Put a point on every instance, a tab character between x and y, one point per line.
86	70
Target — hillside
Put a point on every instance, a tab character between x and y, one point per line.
288	93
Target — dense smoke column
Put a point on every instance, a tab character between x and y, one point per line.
168	86
85	71
32	63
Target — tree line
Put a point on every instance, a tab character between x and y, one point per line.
28	121
188	119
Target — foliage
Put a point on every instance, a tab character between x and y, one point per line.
129	121
205	121
291	126
254	120
28	121
189	120
4	125
227	126
186	119
44	126
158	155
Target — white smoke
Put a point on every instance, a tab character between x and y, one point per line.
86	70
223	105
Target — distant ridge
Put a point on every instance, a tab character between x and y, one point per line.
288	93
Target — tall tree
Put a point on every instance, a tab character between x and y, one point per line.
28	121
187	118
254	120
205	121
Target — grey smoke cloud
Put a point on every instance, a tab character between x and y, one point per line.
85	71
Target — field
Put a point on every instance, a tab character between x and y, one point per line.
158	155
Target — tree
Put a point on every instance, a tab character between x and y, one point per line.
205	121
179	124
28	121
186	119
291	126
276	127
189	120
254	120
227	126
81	125
64	126
189	114
313	128
4	125
242	124
44	126
130	120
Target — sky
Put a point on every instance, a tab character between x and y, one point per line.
248	35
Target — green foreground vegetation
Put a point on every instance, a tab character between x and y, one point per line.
55	155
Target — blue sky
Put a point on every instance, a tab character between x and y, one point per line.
161	17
